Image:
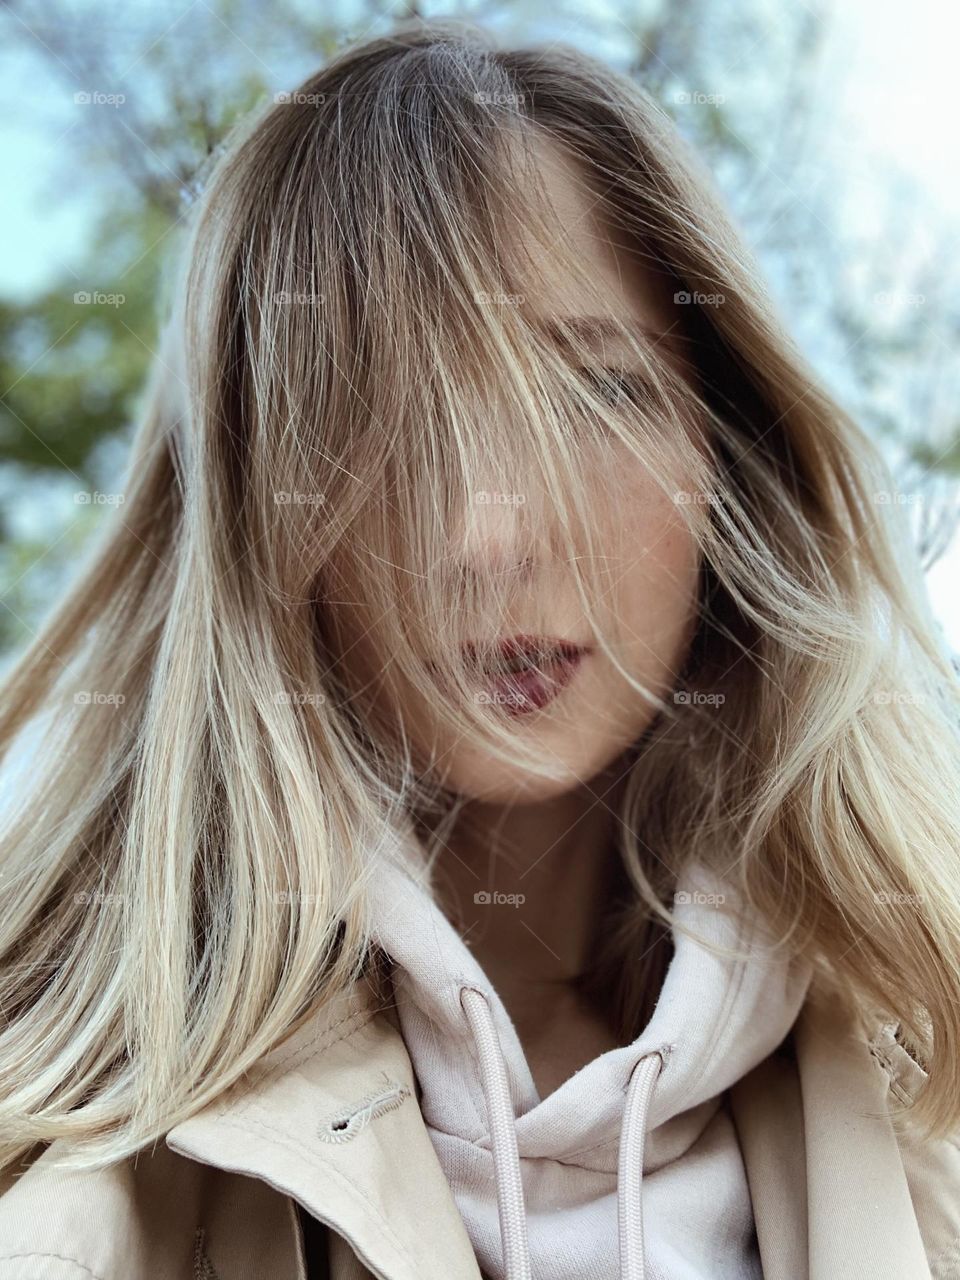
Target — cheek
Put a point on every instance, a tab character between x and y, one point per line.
658	565
354	641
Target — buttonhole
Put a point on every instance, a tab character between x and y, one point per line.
347	1122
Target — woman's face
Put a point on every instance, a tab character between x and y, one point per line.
649	567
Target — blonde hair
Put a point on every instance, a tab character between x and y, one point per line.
186	878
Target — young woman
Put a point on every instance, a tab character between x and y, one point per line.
499	809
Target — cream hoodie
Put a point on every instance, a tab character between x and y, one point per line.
631	1168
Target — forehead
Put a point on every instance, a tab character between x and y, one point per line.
576	268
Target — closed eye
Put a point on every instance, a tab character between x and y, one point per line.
616	385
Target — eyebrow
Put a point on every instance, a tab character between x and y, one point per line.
596	328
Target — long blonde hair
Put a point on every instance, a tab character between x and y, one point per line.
185	879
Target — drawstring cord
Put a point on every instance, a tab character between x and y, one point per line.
503	1136
630	1172
506	1157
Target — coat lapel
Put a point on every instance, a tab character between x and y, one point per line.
331	1118
862	1220
830	1196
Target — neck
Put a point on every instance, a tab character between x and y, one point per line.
548	868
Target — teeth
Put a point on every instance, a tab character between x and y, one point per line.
521	662
527	662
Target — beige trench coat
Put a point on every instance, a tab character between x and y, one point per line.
329	1120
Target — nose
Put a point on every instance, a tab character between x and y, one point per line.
493	537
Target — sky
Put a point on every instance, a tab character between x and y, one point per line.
899	105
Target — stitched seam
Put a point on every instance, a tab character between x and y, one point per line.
241	1105
597	1147
303	1154
612	1144
352	1119
203	1268
896	1088
325	1033
882	1055
900	1093
60	1257
887	1032
569	1164
268	1128
565	1162
366	1014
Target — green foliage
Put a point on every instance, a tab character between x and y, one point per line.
74	359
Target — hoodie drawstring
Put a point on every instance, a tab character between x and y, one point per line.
506	1156
630	1173
503	1136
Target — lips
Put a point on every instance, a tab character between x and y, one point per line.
524	673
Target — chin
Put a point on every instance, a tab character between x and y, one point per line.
496	782
510	790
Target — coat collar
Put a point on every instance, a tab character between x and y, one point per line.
829	1193
331	1118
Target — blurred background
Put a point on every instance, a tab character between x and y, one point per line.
830	126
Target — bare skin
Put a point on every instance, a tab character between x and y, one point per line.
557	855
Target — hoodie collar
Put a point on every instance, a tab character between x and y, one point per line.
728	999
717	1017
